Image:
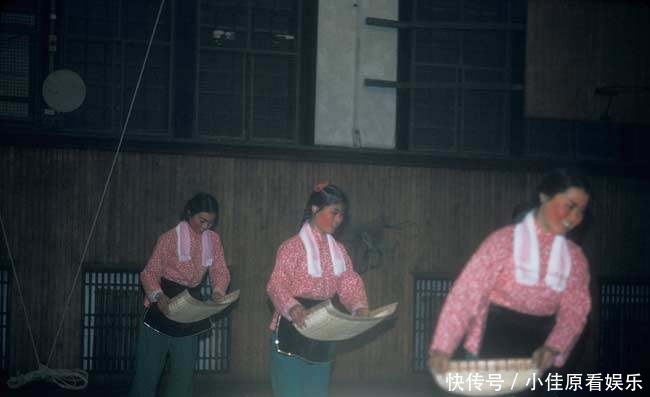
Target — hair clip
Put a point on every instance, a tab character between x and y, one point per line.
320	186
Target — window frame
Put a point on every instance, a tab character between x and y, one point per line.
182	45
425	315
207	361
37	40
512	114
617	300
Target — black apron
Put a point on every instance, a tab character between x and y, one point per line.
510	334
289	341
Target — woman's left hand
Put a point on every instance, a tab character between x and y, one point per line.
363	312
544	357
216	296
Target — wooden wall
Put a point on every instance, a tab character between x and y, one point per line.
49	196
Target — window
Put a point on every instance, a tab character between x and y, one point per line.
624	326
4	319
430	294
249	68
18	32
464	63
112	312
239	71
105	43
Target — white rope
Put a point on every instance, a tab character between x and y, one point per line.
74	379
18	287
67	379
64	378
106	184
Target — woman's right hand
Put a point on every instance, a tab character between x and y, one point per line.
298	315
439	361
163	303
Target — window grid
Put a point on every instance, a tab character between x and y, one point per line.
16	51
624	326
429	296
105	42
112	312
249	69
466	65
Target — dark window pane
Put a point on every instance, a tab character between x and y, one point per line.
94	61
486	11
437	10
483	116
436	74
14	75
273	104
151	108
224	23
434	118
484	49
139	17
274	25
221	93
437	46
18	36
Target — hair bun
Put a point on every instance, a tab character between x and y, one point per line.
320	186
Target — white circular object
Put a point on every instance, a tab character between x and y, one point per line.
64	90
488	377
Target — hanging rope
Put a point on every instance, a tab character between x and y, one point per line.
76	379
18	287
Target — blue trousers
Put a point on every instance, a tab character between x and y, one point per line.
151	356
293	377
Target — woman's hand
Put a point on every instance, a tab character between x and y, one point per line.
544	357
216	296
439	361
363	312
298	315
163	303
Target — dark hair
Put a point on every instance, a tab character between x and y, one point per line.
561	179
328	195
556	181
202	202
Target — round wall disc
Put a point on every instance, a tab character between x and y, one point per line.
64	90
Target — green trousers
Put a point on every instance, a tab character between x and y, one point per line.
153	351
293	377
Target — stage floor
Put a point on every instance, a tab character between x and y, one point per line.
216	389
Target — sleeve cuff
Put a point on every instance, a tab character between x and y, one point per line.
285	309
153	297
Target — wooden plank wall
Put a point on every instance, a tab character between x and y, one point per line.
49	197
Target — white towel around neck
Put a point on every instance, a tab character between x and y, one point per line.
183	245
526	257
313	257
